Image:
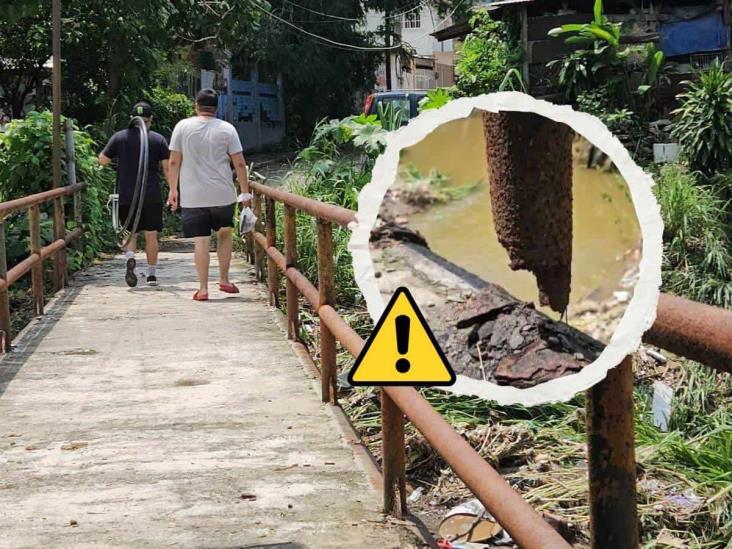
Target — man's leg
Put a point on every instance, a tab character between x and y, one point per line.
130	263
202	259
152	249
224	249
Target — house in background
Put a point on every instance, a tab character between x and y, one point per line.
691	33
431	65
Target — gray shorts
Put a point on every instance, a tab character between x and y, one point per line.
202	221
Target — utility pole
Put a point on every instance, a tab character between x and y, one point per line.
387	44
59	229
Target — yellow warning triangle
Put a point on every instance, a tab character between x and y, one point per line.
402	350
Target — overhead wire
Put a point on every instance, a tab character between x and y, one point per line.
343	45
420	4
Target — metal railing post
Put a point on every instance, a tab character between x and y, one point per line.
59	232
611	454
258	252
326	289
393	459
293	297
273	277
59	229
34	221
7	336
79	220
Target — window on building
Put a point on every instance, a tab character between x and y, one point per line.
412	20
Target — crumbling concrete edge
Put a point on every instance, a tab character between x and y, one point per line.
641	311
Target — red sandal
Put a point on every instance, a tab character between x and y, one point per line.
228	288
198	296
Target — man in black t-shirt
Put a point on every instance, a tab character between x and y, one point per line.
125	147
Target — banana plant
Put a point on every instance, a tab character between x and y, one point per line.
600	28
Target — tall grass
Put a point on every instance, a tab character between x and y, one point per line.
698	251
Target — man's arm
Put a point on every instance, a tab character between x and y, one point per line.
240	165
109	152
166	167
172	174
104	160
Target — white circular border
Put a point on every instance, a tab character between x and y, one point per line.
641	311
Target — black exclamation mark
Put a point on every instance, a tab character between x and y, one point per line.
402	333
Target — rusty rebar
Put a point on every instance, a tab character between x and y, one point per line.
530	167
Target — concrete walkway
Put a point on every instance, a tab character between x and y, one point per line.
137	417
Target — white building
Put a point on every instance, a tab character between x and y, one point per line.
432	63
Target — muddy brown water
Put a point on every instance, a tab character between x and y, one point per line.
606	228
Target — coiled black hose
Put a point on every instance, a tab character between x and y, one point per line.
138	198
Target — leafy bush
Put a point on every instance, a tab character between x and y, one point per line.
169	108
435	99
602	64
703	124
490	51
25	168
334	168
599	102
698	251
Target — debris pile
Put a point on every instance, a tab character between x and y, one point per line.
509	342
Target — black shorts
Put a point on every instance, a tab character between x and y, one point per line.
201	221
151	218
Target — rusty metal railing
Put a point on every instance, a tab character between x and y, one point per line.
524	524
686	328
34	262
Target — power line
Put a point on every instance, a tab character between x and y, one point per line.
343	45
323	38
419	5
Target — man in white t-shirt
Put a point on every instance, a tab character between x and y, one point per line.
201	150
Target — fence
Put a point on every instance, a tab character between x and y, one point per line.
693	330
38	253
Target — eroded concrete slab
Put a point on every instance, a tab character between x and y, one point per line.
138	417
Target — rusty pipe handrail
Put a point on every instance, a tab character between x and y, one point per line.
25	266
321	210
521	521
693	330
18	204
34	262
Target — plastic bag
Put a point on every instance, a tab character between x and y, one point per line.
247	220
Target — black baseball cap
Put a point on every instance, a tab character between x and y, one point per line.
207	98
143	109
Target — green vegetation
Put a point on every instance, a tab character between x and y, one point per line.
25	168
604	66
490	51
704	120
698	251
169	107
334	168
432	188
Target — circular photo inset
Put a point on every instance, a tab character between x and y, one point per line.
528	237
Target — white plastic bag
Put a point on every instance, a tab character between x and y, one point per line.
247	220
